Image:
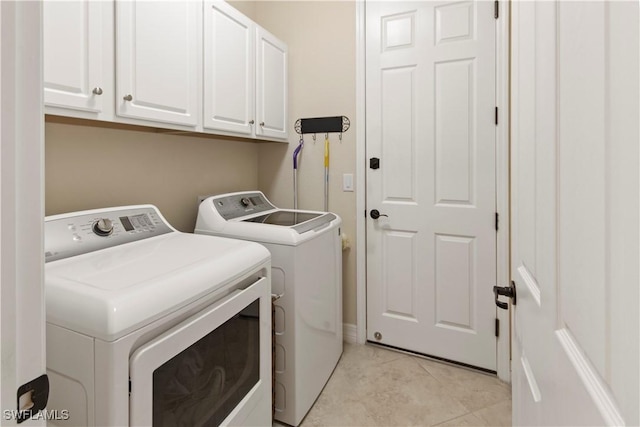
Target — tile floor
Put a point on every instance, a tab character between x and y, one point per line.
372	386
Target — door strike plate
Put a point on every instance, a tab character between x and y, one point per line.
32	397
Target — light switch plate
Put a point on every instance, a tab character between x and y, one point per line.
347	182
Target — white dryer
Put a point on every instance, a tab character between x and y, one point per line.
147	325
306	257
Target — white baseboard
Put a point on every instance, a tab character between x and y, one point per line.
349	333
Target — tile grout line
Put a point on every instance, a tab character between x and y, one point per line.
416	361
473	412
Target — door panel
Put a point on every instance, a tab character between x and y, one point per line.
431	263
454	22
455	282
157	59
229	66
454	139
398	119
400	270
73	50
581	179
574	214
272	59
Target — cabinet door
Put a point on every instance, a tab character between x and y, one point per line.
73	41
228	69
157	56
271	86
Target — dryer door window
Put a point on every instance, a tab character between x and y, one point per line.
205	382
209	369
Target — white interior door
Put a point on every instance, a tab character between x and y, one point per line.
575	207
22	315
430	99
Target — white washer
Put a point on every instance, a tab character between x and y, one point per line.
306	257
148	325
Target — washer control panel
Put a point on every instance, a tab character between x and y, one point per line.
241	204
87	231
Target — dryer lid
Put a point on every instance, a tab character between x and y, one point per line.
111	292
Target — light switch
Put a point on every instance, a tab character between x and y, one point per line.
347	182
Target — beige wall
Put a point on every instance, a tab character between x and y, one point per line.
247	7
321	40
92	167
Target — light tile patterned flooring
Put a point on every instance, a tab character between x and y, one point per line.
373	386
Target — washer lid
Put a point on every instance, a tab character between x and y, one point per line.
298	221
285	218
108	293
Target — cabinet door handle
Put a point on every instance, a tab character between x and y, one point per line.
128	97
97	91
251	122
261	123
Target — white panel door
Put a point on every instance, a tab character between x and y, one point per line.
158	47
575	206
271	85
229	69
22	313
431	259
73	55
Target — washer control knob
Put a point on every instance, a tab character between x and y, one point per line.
245	202
103	227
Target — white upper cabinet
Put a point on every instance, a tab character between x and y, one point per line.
229	69
199	66
271	86
158	50
245	75
77	72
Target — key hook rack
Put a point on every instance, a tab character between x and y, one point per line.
326	125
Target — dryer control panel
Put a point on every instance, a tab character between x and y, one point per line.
235	205
76	233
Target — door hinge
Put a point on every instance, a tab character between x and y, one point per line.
497	327
496	9
497	220
496	118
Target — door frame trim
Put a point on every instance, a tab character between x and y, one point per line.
503	353
22	302
503	249
361	194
